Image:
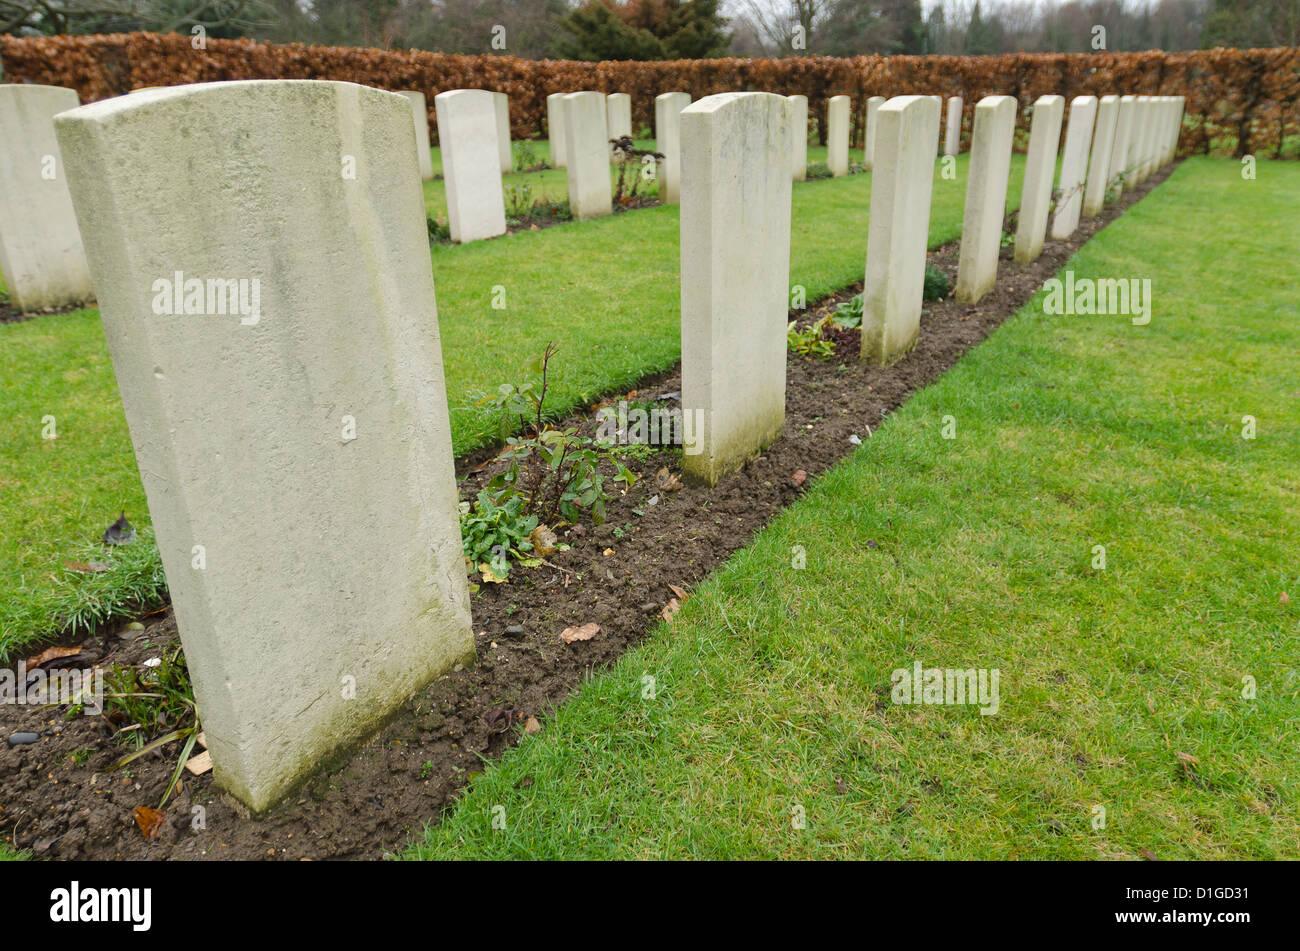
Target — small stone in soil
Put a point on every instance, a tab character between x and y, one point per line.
23	739
515	630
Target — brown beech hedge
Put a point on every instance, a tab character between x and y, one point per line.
1238	101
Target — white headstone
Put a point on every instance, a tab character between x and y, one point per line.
1103	142
837	135
986	196
555	127
297	454
420	116
1074	165
1176	130
1040	173
668	142
952	133
619	114
898	231
1117	171
467	130
799	142
869	137
1137	139
735	272
40	247
586	153
502	103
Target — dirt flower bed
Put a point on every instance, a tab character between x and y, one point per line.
59	797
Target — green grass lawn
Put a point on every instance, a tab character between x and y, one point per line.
1120	688
606	290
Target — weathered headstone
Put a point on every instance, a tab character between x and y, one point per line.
799	141
1176	129
952	132
619	114
668	142
284	390
1103	141
837	135
1040	172
586	153
1138	141
986	196
502	103
735	271
1074	165
420	118
869	137
41	255
1117	171
467	129
902	180
555	127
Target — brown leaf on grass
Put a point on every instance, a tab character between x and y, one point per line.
531	726
583	633
682	593
670	610
50	654
665	481
149	820
1149	855
798	477
1187	760
544	540
87	567
1284	598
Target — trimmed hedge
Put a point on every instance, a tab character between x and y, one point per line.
1243	101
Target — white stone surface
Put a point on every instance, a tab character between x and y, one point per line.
869	136
1040	173
907	140
1124	127
1074	166
471	170
1176	128
332	585
41	256
986	196
837	135
668	142
952	132
618	107
420	116
1139	140
502	103
586	152
1103	142
555	127
735	273
799	142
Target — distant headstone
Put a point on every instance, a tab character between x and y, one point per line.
898	232
869	138
276	349
1040	172
735	272
619	114
1117	167
1074	165
668	142
420	116
586	152
41	255
799	142
502	103
986	196
555	127
952	133
837	135
467	129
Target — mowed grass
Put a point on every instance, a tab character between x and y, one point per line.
607	291
1123	689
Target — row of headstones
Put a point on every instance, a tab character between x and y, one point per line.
296	454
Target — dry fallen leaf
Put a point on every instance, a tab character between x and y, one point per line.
544	540
799	477
200	764
608	552
149	820
531	726
1187	759
1284	598
666	481
584	633
670	609
52	653
87	567
487	574
682	593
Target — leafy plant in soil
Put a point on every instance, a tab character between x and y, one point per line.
848	314
936	283
628	157
810	342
